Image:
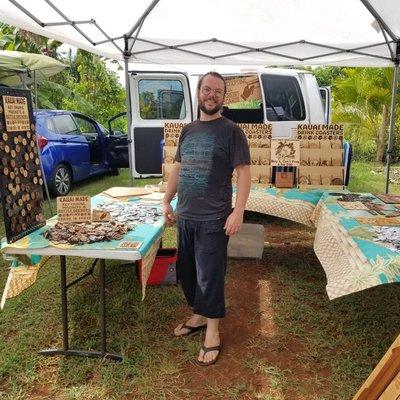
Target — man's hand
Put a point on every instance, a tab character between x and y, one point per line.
168	214
234	222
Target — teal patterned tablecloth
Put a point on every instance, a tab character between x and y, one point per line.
24	267
350	252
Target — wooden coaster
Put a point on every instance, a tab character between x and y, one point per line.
353	205
389	198
379	221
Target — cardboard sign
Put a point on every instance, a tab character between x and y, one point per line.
258	135
16	113
130	245
100	216
285	152
242	88
21	177
169	154
123	191
320	131
172	131
166	171
74	209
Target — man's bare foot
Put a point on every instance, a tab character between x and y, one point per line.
194	321
211	340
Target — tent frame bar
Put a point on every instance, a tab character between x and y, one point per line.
387	41
58	11
179	47
382	23
139	23
69	23
389	150
262	49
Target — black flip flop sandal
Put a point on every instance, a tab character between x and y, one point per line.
207	350
191	329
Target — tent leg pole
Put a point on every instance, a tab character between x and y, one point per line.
36	88
391	124
129	112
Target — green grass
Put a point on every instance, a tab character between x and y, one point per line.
364	176
337	342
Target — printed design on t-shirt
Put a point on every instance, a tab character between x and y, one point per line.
196	162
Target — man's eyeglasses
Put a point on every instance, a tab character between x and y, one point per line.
205	90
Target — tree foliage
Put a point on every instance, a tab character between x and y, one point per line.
362	98
86	86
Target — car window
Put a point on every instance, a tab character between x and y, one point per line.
65	125
50	125
103	130
85	125
283	98
161	99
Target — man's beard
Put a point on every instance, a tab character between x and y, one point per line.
208	111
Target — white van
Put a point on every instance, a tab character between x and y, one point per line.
288	97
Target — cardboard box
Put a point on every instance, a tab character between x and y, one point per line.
258	135
260	156
284	179
321	157
320	176
169	154
260	174
166	170
248	242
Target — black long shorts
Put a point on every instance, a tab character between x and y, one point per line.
201	265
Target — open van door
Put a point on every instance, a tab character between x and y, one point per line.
156	98
117	141
326	101
284	105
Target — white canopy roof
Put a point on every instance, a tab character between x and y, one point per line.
247	32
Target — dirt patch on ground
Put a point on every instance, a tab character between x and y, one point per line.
257	360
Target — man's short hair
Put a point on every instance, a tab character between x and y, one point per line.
215	75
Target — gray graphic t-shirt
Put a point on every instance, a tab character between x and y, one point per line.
208	152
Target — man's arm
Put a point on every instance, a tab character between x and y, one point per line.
235	220
172	187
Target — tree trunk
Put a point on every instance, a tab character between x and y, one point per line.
381	136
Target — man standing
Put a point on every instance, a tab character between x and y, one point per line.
209	149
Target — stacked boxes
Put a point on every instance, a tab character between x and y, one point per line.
317	153
172	131
259	140
321	156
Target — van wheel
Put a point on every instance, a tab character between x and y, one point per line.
62	181
114	171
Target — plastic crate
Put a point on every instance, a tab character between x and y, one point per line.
163	271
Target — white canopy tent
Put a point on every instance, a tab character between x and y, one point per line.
234	32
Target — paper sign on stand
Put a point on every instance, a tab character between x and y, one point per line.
74	209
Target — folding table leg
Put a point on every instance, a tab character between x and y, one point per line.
65	350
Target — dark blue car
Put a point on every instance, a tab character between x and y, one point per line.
75	147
